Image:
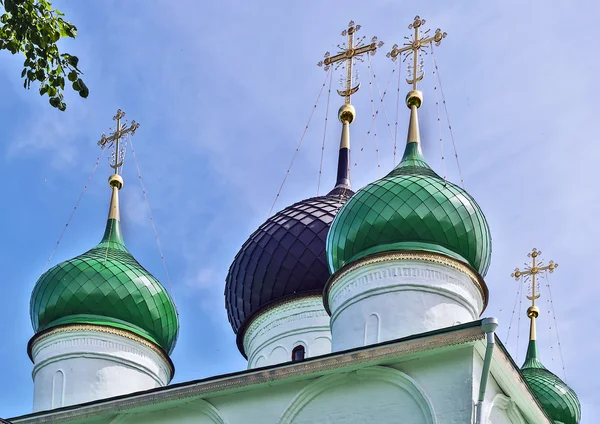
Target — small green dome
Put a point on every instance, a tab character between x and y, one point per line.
558	400
412	208
106	286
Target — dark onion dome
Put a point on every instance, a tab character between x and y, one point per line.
410	209
106	286
285	257
558	400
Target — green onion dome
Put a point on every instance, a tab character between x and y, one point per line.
410	209
558	400
106	286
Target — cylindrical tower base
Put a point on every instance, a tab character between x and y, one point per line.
394	295
299	324
80	363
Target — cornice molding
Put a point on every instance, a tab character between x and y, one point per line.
426	257
39	340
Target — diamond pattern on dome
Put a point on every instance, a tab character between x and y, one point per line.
284	257
107	286
410	208
557	399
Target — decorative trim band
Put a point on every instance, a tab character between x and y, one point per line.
69	328
399	256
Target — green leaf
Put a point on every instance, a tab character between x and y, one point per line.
10	6
67	29
33	28
73	61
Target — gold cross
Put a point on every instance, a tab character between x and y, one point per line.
413	47
349	52
532	270
114	139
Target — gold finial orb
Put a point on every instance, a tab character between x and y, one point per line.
414	98
346	113
115	180
533	312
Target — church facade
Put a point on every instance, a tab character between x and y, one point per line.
352	307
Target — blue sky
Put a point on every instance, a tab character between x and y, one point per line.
223	91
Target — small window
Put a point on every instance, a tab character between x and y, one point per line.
298	353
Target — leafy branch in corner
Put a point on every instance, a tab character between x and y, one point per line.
33	28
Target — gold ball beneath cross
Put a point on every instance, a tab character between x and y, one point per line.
346	113
533	312
414	98
115	180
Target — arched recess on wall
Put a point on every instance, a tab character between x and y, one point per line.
372	325
260	361
58	389
279	354
376	373
198	406
507	405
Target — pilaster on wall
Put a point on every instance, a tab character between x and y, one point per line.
77	364
274	333
399	295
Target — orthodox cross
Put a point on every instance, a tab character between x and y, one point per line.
349	52
531	271
114	139
413	47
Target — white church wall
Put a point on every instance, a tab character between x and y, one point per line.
80	366
198	411
434	386
373	394
434	389
265	405
447	380
396	298
272	335
498	408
